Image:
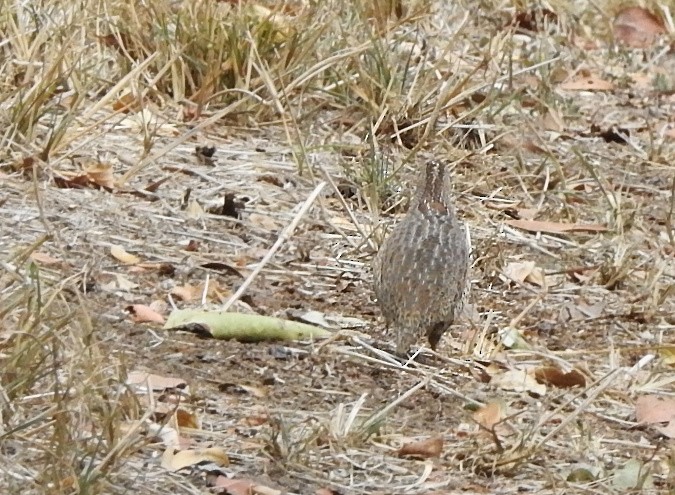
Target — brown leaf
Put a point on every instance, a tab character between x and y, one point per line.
431	447
652	409
185	419
144	314
100	174
550	375
185	292
637	27
234	486
490	414
555	227
127	103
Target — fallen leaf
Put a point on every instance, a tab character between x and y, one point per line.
242	327
44	259
194	211
144	314
586	83
234	486
551	375
552	120
174	460
100	174
185	292
519	381
637	27
185	419
490	414
525	271
652	409
431	447
127	103
120	254
555	227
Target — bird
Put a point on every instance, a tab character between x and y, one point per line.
420	273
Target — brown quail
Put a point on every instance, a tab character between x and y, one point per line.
420	272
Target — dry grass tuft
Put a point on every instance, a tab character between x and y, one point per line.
65	410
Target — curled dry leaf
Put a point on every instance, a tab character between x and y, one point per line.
100	174
637	27
525	271
431	447
120	254
174	459
186	419
144	314
550	375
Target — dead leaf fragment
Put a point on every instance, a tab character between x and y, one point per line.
525	271
174	460
637	27
519	381
44	259
185	292
122	255
653	409
490	414
551	375
101	174
586	83
144	314
431	447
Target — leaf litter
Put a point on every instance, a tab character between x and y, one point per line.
342	414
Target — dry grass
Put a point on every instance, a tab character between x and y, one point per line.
119	94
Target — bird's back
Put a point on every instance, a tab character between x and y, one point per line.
420	272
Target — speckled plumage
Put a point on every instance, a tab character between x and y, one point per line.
420	272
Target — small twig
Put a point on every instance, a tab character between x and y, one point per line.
669	217
283	237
